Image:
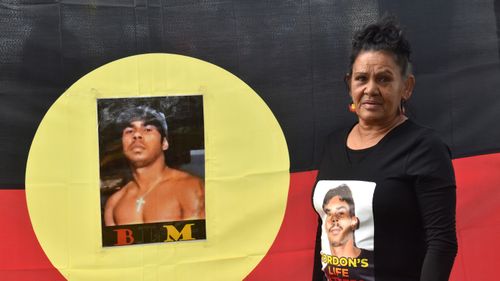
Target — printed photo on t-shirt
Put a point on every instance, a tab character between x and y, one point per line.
345	208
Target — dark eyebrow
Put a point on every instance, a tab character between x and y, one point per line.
359	72
386	71
151	124
342	208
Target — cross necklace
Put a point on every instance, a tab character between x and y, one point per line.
139	202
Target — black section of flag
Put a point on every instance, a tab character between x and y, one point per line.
292	53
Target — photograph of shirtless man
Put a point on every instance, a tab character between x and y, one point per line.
155	192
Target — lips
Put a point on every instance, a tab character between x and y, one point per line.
335	229
371	102
136	146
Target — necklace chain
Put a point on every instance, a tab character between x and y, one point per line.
139	202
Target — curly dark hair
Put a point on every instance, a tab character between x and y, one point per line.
384	35
345	194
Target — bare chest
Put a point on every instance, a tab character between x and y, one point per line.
155	207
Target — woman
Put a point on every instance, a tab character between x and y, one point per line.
399	175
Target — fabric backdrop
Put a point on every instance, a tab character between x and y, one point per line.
294	55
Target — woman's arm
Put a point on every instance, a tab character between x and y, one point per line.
430	164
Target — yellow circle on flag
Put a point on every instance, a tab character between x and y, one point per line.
246	176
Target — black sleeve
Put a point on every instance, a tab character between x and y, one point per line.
430	165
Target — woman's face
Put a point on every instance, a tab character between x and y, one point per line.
377	87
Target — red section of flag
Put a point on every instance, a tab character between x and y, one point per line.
478	217
22	258
291	255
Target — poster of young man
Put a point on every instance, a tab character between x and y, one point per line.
151	169
345	208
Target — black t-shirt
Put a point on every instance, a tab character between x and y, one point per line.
406	180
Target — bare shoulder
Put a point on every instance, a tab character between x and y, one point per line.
190	191
111	203
115	197
187	180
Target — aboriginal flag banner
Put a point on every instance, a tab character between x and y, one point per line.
249	90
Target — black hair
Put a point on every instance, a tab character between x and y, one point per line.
344	192
148	115
384	35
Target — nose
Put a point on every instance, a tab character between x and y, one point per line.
137	135
371	88
335	219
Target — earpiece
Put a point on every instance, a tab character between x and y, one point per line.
352	107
